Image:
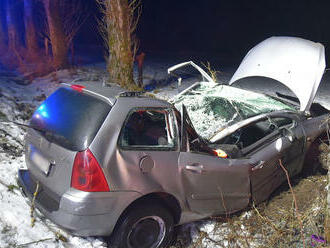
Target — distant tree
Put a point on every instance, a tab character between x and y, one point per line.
13	36
64	18
3	36
31	37
56	33
120	18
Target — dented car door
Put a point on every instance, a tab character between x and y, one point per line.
283	143
211	185
214	185
149	146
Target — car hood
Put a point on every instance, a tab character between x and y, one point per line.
297	63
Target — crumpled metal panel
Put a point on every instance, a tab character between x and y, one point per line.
297	63
221	186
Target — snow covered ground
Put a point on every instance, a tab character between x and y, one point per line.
17	102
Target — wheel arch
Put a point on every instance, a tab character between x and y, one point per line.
167	200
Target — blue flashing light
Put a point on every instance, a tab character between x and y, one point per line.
44	114
42	111
42	107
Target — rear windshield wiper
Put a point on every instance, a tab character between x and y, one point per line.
44	131
4	119
49	135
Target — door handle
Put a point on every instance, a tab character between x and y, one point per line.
258	165
195	168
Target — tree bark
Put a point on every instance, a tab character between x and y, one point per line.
119	22
56	34
30	30
120	57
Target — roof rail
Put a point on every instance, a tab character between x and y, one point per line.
132	94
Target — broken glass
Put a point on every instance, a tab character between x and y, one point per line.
213	107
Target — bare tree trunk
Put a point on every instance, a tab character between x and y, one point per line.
46	44
56	34
140	60
119	26
3	37
30	30
120	64
13	37
72	54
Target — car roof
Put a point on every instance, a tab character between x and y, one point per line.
113	93
143	101
99	88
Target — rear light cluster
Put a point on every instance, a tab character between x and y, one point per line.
87	174
77	87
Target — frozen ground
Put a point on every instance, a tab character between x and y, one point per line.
17	102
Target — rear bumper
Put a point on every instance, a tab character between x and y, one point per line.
80	213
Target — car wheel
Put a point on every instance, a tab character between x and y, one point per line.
144	226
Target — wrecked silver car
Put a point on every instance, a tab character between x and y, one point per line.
135	166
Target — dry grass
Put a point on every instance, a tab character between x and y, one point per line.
273	223
212	72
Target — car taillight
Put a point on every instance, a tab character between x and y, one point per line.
87	174
77	87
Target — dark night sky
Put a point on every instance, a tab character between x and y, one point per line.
228	28
223	29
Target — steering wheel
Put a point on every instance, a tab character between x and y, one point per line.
233	139
237	136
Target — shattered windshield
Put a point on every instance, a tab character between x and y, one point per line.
212	107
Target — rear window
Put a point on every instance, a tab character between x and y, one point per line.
70	119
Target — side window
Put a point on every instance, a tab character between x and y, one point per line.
256	131
282	121
253	132
148	129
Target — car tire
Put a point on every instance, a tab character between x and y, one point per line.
145	226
